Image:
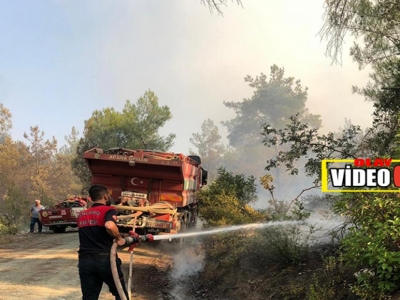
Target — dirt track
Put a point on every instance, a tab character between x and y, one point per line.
44	266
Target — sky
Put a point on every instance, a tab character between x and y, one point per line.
61	60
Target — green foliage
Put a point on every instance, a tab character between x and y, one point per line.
274	100
328	282
226	200
238	185
239	260
377	22
384	92
3	229
302	140
258	250
226	250
72	141
276	263
14	209
280	209
224	209
6	229
5	122
373	241
136	127
287	245
7	233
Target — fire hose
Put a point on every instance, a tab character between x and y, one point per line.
133	240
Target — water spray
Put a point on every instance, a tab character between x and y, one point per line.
225	229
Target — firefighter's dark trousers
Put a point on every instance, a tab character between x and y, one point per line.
93	271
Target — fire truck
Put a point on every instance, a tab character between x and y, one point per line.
153	192
64	214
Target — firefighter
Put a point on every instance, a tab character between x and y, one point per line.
97	232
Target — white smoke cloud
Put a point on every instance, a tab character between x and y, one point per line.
187	262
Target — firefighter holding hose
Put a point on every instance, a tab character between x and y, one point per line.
97	233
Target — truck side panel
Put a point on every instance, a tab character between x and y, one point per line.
157	190
154	180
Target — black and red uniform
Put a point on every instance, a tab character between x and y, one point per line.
94	252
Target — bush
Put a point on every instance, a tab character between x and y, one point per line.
373	242
6	230
3	229
259	249
329	282
225	201
287	245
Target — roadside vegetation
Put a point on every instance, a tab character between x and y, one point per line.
273	157
289	261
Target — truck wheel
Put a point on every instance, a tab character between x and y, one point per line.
59	229
192	218
183	228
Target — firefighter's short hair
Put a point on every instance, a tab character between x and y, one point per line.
97	192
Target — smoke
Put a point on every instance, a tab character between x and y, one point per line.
188	262
324	227
327	227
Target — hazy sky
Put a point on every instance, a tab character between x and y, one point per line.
61	60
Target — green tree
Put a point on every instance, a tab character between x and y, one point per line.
384	92
72	142
136	127
5	122
209	147
376	22
376	26
274	101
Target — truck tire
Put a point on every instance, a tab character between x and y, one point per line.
59	229
192	219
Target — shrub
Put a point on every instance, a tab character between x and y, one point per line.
372	242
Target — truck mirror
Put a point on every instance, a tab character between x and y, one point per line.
204	175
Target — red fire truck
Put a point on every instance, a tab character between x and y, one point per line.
64	214
154	192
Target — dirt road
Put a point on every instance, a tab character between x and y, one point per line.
44	266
